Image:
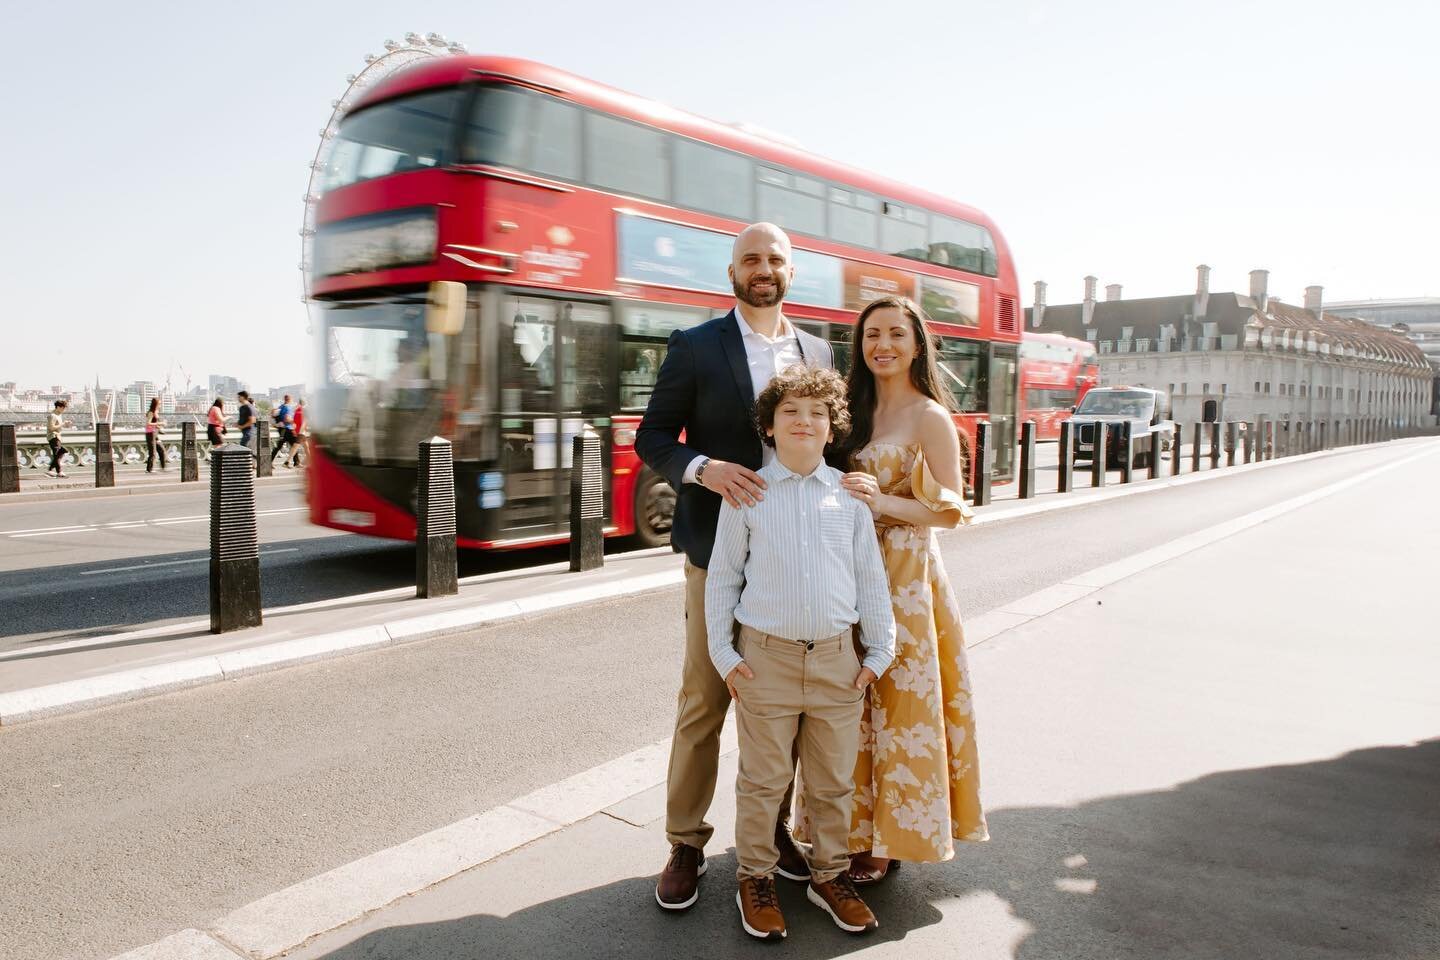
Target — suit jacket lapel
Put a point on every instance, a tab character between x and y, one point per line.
734	346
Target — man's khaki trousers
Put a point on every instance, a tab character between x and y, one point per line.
695	748
803	694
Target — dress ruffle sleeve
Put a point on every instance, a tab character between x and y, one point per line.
934	496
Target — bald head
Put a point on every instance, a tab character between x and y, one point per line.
760	265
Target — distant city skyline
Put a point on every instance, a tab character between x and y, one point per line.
157	228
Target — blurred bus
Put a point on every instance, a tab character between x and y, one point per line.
1055	373
502	250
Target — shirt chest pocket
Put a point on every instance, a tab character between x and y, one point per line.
837	529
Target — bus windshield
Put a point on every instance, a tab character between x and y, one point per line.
412	133
1118	403
379	399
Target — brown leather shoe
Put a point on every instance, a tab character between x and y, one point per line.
792	864
679	885
760	908
839	899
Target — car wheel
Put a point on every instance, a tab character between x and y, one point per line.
654	509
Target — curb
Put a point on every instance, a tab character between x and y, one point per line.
71	696
140	488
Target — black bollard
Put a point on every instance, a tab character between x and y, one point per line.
9	460
587	503
1152	459
1098	464
1196	449
1125	443
1066	472
189	453
1214	444
104	456
1232	440
984	462
1320	436
263	466
435	566
234	541
1027	460
1177	439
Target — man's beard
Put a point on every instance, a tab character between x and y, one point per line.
744	295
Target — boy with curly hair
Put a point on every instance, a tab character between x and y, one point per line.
796	571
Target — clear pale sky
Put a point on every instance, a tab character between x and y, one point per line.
155	154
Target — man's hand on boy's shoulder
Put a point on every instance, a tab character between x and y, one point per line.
864	678
742	669
733	482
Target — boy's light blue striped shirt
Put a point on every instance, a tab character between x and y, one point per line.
804	564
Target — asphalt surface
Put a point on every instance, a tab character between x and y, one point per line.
130	822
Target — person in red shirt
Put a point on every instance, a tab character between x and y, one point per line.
298	432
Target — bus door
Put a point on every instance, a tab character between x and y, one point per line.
554	360
1001	405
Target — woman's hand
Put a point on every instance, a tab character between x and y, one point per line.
866	489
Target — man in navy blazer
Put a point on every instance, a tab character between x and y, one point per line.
706	388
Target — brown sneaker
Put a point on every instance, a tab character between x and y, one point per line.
792	864
760	908
679	885
839	899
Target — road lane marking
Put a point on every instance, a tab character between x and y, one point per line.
175	563
127	524
51	533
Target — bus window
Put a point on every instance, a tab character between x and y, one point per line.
962	368
626	157
790	201
583	386
391	137
902	231
708	178
853	217
555	148
644	330
527	374
962	245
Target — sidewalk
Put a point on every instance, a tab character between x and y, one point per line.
1216	752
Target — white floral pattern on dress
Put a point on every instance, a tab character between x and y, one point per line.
917	786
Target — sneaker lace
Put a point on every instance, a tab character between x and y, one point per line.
681	853
845	888
762	892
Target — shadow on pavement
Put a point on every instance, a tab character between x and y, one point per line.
1331	859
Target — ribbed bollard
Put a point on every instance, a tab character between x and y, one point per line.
436	574
1252	435
1098	466
587	503
1126	443
1232	440
263	466
1065	481
984	461
1215	444
1177	441
1195	450
9	460
1027	460
1320	437
234	541
104	456
189	453
1152	459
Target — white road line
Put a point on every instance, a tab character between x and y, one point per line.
51	533
173	563
12	533
126	524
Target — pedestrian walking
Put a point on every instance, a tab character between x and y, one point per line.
301	432
153	425
215	425
245	420
284	417
706	390
54	426
798	570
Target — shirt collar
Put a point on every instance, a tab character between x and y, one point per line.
775	470
787	332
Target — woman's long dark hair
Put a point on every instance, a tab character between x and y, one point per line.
219	402
860	385
154	406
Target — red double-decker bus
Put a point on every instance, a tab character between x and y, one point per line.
1055	372
503	248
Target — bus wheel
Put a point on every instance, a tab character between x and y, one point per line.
654	509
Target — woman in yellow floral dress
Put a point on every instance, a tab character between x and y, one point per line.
917	786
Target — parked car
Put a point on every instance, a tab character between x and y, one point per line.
1146	410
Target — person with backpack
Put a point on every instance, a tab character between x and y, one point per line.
284	418
153	423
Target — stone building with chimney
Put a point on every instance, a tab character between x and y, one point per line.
1234	356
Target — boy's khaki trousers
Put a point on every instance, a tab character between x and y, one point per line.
803	693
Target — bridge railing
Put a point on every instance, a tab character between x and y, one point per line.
128	447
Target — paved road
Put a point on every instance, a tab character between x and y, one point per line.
130	822
78	568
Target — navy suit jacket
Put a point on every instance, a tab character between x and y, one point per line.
703	389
